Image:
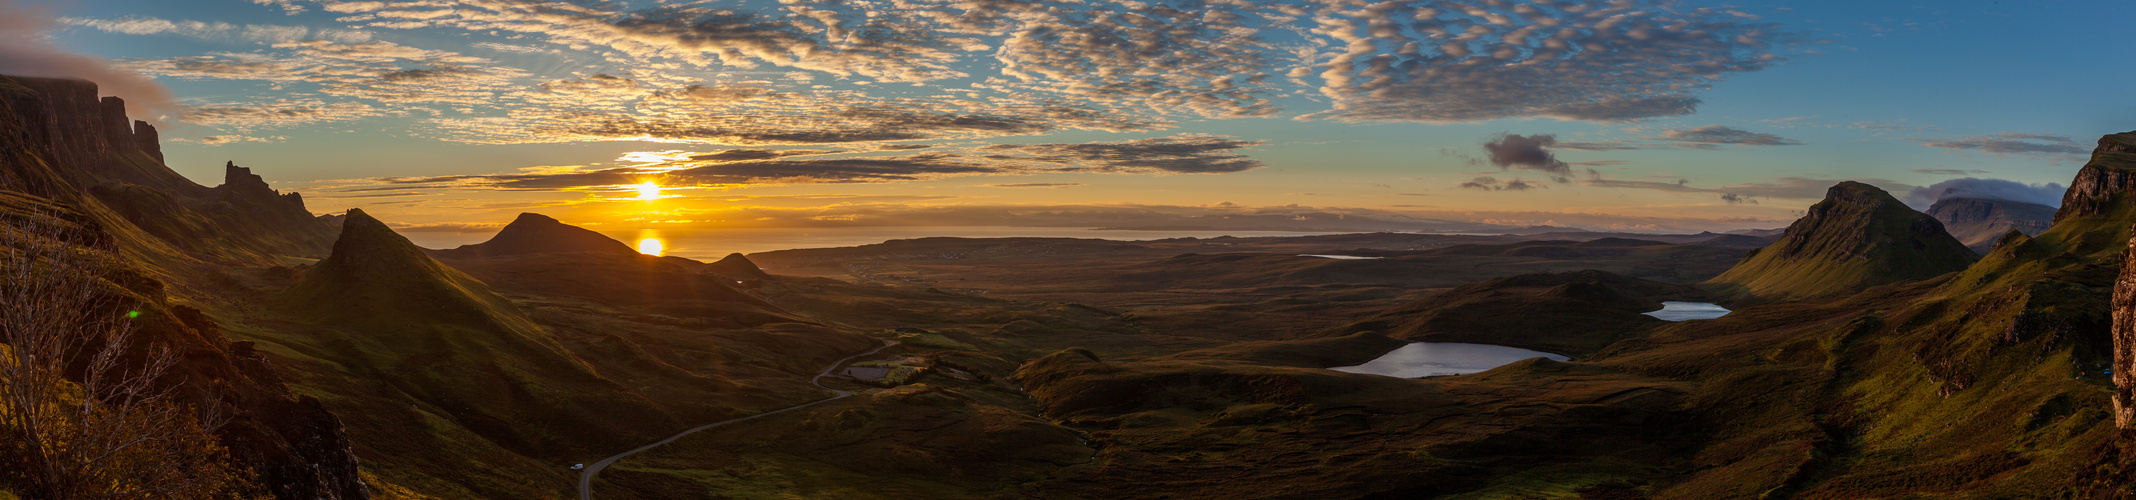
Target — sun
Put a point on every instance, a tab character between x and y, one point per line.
651	246
648	191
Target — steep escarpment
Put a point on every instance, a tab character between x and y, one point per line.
2124	338
2102	186
87	140
74	145
58	142
1979	222
1859	236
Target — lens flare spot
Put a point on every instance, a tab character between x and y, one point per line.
651	246
648	191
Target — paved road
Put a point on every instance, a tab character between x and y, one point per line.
586	476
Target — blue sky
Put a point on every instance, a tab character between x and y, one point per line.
1674	116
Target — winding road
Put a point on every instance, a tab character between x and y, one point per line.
586	476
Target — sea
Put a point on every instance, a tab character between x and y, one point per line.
712	244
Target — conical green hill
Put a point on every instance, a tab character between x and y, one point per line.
536	233
380	286
1859	236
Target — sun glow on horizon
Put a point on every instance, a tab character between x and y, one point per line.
647	190
651	246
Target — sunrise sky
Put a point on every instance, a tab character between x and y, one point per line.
1630	115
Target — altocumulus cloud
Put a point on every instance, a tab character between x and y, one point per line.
1018	68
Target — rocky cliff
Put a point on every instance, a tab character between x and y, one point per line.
2124	334
1859	236
86	139
76	144
2102	185
62	151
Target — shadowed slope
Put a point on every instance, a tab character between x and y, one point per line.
737	267
1573	313
1980	222
1859	236
537	233
539	256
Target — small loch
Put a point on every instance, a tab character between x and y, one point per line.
1426	359
1684	311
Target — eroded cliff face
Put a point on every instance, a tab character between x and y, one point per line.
79	144
64	151
2104	181
87	139
2125	340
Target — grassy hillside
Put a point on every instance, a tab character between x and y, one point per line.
1859	236
1574	313
453	390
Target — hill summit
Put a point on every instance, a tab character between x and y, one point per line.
1859	236
376	277
537	233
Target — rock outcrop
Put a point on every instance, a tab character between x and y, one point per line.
1979	222
534	233
1859	236
2103	184
75	145
64	151
87	140
2124	334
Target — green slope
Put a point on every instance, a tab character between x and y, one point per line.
1858	236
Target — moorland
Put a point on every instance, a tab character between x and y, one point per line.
1872	351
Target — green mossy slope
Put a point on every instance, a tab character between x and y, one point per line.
1859	236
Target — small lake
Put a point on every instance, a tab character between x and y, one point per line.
1425	359
1338	257
1682	311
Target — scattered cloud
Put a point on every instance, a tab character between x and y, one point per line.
246	117
1180	154
2012	143
218	140
1719	134
1493	184
1039	185
1790	188
26	49
1518	152
2049	194
262	33
750	116
1948	171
